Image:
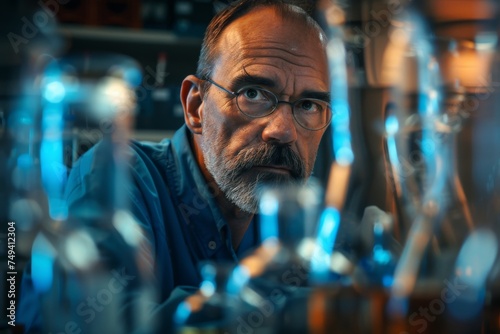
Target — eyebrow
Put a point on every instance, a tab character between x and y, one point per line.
324	96
247	79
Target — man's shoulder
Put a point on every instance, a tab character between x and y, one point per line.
147	163
155	152
137	153
160	152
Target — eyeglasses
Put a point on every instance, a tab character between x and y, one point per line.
256	102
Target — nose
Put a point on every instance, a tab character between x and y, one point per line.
280	127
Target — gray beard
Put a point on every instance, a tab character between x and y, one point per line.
237	183
241	192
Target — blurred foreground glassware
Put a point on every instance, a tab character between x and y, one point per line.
216	305
346	293
278	271
486	173
439	281
22	64
91	263
353	297
29	42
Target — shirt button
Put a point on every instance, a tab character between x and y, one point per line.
212	245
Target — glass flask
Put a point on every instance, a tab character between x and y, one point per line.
91	263
485	170
353	297
215	307
439	281
26	49
273	296
350	259
262	293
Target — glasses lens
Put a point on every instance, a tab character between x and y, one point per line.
312	114
255	101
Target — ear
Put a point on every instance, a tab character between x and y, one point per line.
192	103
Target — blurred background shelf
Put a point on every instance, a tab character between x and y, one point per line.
165	57
128	35
164	37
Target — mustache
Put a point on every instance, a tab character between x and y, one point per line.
270	154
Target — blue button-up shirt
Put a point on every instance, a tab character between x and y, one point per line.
176	209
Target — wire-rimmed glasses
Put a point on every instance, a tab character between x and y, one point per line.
256	102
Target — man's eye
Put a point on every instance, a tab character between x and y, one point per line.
253	93
309	106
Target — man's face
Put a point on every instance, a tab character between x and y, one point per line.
242	153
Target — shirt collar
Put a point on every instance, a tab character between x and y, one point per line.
198	202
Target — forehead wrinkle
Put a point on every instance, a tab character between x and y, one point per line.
248	64
275	76
288	44
237	38
262	52
303	55
272	75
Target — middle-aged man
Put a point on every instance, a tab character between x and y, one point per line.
255	112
